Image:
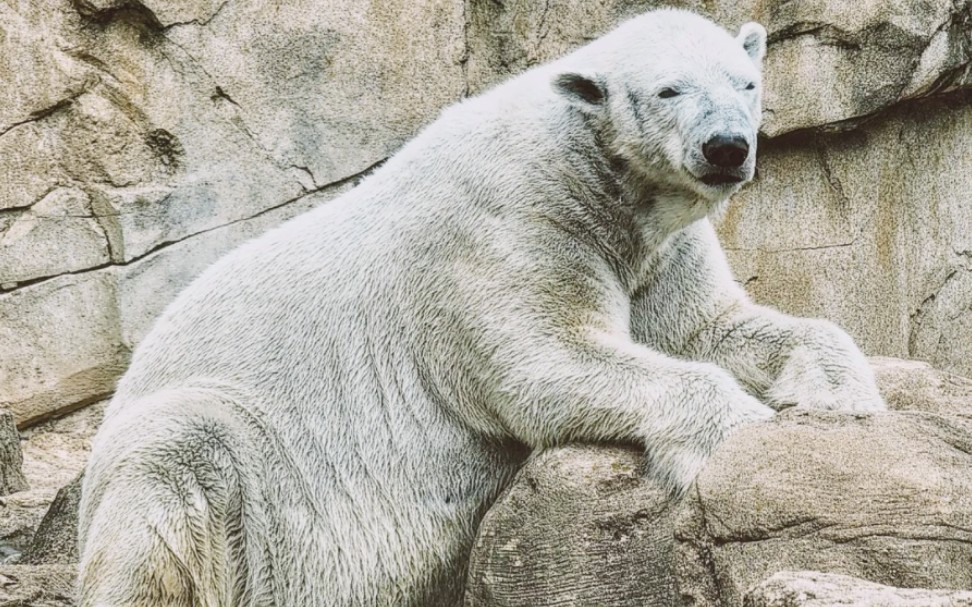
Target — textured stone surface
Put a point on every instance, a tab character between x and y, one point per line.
579	526
911	385
833	62
829	63
65	334
55	452
135	134
395	63
150	137
57	234
56	538
11	457
37	585
885	497
814	589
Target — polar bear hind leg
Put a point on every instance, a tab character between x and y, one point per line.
164	523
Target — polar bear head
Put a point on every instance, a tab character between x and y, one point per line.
675	97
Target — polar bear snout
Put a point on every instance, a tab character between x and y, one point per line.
726	151
726	160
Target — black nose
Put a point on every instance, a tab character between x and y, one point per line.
728	152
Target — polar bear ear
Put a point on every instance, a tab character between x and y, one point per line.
752	36
584	91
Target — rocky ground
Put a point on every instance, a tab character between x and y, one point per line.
815	509
54	454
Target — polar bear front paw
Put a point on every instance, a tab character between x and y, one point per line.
828	381
848	402
721	407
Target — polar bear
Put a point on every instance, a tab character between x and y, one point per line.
325	414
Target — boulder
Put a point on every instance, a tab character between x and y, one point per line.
579	526
885	497
814	589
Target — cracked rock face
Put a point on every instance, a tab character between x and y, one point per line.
141	139
128	163
829	63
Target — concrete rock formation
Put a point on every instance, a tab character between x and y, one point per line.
883	497
141	139
813	589
574	515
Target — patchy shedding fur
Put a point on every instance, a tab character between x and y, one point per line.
324	415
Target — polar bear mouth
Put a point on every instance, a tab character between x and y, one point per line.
720	179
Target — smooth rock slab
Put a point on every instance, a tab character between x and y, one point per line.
579	526
62	336
814	589
886	497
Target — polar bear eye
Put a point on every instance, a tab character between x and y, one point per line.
750	86
668	93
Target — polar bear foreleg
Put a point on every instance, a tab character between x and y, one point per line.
789	361
692	308
615	391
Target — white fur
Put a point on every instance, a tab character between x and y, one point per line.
325	414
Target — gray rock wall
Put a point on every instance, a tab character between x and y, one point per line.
141	139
